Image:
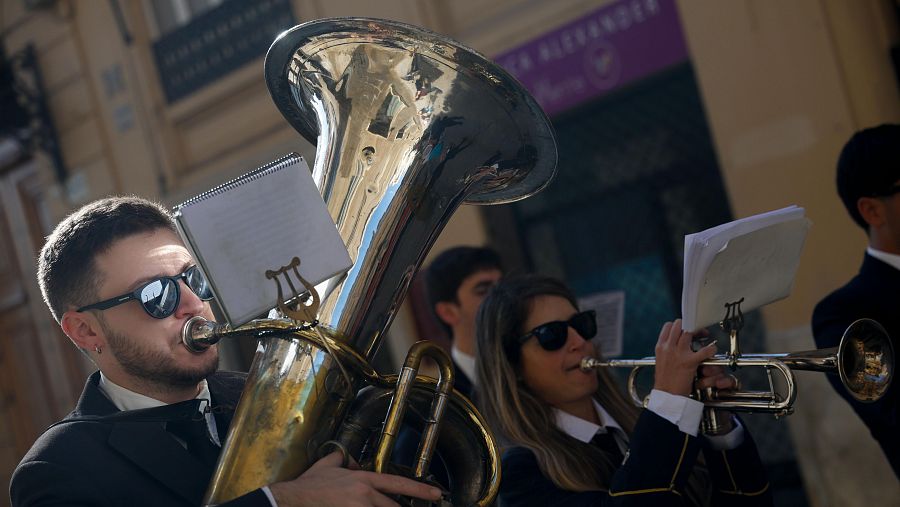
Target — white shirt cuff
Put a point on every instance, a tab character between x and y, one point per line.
268	492
678	410
731	440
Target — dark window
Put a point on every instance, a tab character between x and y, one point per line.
203	40
637	171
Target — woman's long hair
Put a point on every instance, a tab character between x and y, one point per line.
523	419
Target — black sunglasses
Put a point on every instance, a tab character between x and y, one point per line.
160	297
553	335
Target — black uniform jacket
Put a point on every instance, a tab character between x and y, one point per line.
121	461
658	464
461	382
875	294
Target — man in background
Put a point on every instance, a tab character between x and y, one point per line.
868	182
457	281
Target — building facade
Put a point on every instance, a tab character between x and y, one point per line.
165	99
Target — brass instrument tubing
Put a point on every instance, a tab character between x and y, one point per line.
394	419
399	402
753	402
430	435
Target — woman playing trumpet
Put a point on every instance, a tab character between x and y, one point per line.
571	436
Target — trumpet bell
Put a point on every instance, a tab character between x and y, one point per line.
865	360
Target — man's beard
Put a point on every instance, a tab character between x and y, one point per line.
154	368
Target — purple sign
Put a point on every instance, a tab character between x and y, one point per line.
606	49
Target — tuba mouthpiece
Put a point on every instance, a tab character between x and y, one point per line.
199	334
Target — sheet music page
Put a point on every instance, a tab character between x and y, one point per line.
259	225
754	258
610	308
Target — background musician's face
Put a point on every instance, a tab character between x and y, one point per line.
141	350
460	314
555	376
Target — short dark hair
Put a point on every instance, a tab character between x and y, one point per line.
448	270
868	166
67	271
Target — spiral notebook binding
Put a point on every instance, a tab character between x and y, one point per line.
275	165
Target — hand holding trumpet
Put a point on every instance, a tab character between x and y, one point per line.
864	361
677	364
680	369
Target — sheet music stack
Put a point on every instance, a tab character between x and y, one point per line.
754	258
258	222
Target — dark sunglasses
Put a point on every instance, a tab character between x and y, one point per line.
553	335
160	297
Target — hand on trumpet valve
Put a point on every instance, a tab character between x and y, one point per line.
676	363
709	380
715	377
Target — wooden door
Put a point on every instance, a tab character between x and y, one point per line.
41	374
17	422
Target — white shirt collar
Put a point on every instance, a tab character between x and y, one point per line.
465	362
126	399
582	430
891	259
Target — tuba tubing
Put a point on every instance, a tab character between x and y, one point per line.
471	445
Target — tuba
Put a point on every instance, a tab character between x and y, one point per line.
410	125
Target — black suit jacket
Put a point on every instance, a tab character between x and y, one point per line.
659	462
874	293
461	382
119	461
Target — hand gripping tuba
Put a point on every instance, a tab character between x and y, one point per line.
409	125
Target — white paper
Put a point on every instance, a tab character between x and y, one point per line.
610	308
754	258
257	225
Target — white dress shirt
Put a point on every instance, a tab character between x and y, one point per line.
465	362
892	259
125	399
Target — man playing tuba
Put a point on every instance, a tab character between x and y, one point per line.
148	427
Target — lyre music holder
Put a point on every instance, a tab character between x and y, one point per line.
300	305
732	324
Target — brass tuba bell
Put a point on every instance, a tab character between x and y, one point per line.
410	124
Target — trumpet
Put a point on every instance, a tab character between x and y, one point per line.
864	360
